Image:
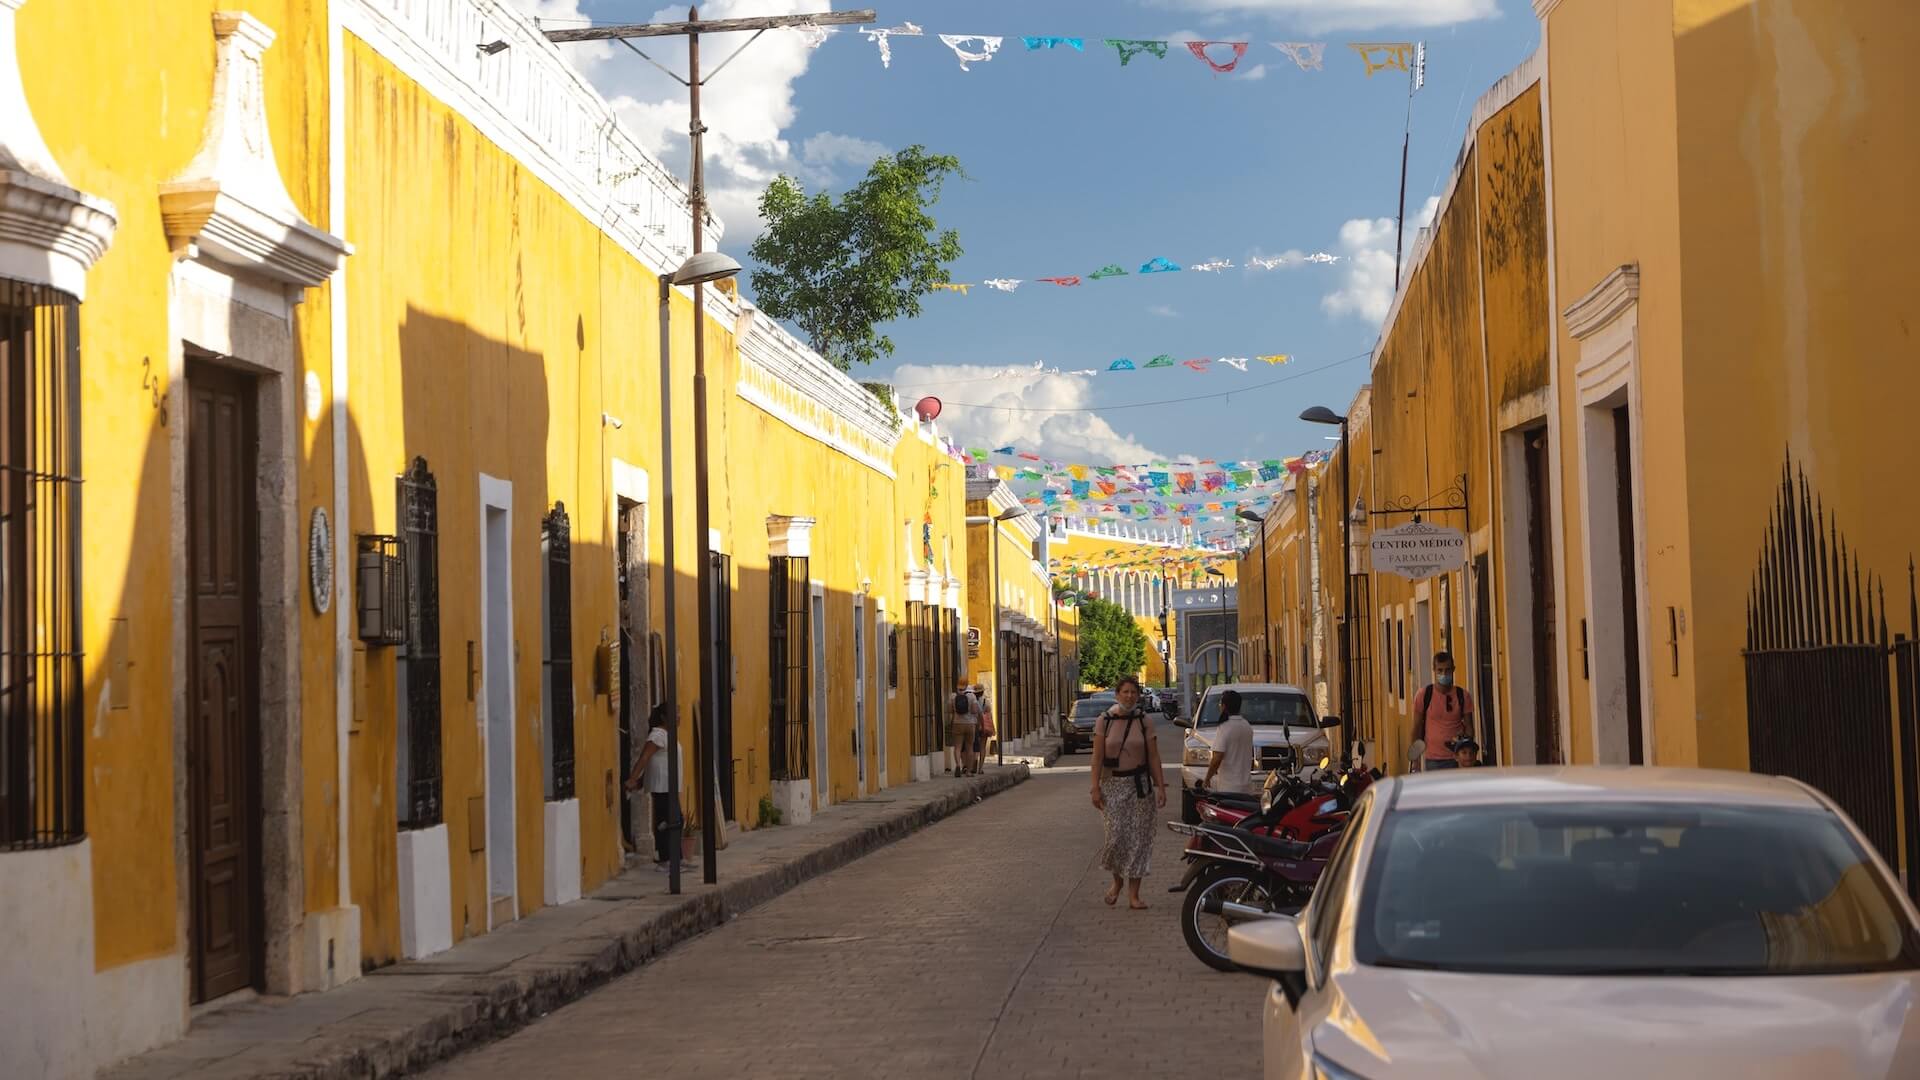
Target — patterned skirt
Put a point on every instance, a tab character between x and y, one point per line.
1130	826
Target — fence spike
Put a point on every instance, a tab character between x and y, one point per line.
1822	528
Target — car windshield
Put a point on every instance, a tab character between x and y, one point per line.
1090	707
1613	889
1263	708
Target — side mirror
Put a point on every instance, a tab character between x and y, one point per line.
1329	721
1271	948
1181	721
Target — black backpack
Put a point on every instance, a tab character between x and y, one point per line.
962	703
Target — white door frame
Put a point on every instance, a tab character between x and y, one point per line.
860	744
1605	324
821	691
881	692
496	494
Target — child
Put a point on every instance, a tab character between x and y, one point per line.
1466	752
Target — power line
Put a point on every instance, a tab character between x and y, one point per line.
1168	401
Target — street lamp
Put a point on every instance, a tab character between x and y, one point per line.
1000	644
700	268
1320	414
1266	620
1214	571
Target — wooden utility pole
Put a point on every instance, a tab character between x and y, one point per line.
712	675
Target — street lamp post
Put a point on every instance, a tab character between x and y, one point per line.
1266	619
698	269
1320	414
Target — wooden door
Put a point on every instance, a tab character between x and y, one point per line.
1546	703
223	788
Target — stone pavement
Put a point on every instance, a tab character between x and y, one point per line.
978	947
407	1016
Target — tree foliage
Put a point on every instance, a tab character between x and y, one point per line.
840	268
1112	645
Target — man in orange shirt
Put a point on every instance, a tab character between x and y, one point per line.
1442	712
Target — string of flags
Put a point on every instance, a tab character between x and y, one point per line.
1199	364
1220	57
1157	265
1196	494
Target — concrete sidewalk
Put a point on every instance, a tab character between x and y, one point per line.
407	1016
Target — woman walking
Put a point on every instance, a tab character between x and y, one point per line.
1128	787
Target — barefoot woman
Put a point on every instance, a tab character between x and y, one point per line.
1128	788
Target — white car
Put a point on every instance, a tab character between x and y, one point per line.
1281	716
1611	923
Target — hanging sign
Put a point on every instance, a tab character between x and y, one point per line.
1417	550
973	643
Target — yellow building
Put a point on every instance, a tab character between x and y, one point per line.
1138	567
1650	364
373	605
1012	642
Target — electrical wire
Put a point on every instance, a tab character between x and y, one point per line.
1167	401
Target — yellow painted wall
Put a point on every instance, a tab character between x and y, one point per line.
1793	140
147	70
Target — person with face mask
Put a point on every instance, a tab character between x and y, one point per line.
1442	713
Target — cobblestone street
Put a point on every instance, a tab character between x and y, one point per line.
978	947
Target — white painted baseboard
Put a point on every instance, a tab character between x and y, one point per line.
563	852
426	896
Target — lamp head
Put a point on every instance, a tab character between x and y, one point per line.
704	267
1320	414
1248	515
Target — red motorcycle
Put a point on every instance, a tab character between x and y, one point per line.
1253	861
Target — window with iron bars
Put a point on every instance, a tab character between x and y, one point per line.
556	661
42	799
893	656
418	660
920	688
789	666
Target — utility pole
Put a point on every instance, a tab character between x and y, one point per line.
711	687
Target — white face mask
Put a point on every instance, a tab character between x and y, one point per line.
1444	680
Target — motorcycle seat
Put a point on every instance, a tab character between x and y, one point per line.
1273	846
1232	798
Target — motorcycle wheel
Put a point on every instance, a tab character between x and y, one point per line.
1207	934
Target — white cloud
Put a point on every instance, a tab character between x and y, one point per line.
1066	436
829	151
1165	311
1366	245
1318	16
1257	71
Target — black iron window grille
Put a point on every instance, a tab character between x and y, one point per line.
419	659
380	590
557	663
920	680
42	799
893	657
789	666
957	642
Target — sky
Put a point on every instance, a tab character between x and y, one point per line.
1075	162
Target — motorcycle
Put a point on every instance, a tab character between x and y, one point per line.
1246	863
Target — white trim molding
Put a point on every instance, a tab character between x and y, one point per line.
789	537
793	384
50	233
1544	8
1604	302
230	204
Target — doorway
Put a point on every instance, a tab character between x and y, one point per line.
820	725
1613	585
630	577
1483	659
860	696
223	736
1544	609
496	689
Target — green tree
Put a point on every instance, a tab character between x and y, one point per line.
838	269
1112	645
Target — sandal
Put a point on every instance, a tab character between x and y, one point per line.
1112	897
1137	905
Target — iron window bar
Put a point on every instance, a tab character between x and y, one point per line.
556	540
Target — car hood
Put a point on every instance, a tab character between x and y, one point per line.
1391	1024
1265	735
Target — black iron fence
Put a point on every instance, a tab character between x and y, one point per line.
419	498
1830	694
42	800
789	666
557	537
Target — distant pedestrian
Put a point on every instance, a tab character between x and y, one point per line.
1232	760
964	725
1442	712
650	773
987	730
1128	787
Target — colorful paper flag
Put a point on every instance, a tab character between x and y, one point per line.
1107	271
1199	50
959	44
1035	43
1128	48
1159	265
1120	365
883	38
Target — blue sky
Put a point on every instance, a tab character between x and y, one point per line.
1075	162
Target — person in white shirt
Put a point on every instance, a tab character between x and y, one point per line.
650	774
1232	749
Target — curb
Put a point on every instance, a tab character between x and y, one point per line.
485	1008
1040	756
